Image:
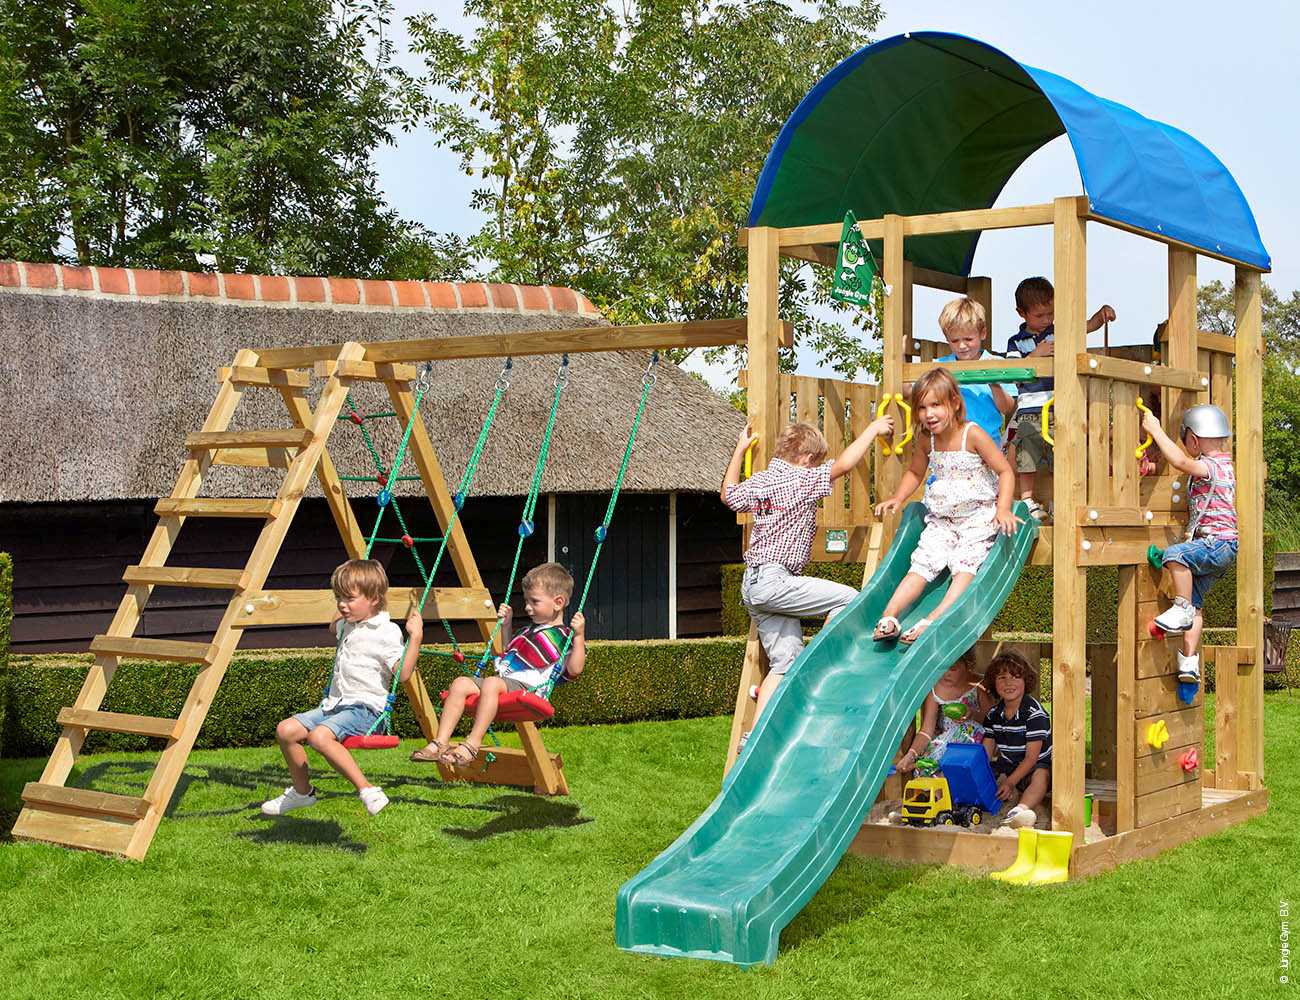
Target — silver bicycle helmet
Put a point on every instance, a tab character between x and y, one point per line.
1206	421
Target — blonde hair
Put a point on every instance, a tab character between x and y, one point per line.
939	382
800	439
365	577
1011	662
552	578
963	314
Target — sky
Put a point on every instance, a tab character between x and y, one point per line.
1228	74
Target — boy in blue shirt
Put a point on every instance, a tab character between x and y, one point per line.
1036	305
965	327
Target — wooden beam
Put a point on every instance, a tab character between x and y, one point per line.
1042	367
1170	242
83	800
1069	578
1120	546
889	468
214	507
1139	373
1100	516
309	607
1216	343
944	282
939	223
1250	472
640	337
245	375
291	437
367	370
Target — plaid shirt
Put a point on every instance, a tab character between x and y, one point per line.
783	499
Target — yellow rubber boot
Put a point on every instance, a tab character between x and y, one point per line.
1053	864
1026	856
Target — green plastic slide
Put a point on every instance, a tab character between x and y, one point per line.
813	766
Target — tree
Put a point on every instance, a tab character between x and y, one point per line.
147	132
1281	329
618	144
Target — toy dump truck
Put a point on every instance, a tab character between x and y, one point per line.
964	791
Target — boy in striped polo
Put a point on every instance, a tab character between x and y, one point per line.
783	499
1018	736
1211	546
528	660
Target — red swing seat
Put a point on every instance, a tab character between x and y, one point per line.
515	706
375	741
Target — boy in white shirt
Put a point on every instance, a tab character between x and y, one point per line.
369	650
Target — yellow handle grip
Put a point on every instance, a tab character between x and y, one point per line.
885	400
1046	419
1142	448
907	423
749	458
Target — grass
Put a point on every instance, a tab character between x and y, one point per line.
476	892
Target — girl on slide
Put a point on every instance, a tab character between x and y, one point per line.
967	497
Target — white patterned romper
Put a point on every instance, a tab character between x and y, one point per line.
961	500
965	730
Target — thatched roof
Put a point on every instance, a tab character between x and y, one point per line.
99	392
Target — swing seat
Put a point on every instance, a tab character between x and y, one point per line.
375	741
515	706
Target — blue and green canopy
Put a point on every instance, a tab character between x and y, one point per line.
934	122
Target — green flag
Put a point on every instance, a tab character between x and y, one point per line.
855	270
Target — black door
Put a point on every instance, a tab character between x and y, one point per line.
629	595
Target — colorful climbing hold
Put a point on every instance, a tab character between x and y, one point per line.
1157	735
1156	556
1190	760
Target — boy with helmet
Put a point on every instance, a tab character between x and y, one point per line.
1211	544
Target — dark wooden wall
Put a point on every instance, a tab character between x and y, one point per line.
69	558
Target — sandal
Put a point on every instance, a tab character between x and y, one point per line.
886	629
455	758
922	625
430	754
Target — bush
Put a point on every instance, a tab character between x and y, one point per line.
6	621
623	682
1029	608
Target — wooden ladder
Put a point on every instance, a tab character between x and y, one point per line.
125	825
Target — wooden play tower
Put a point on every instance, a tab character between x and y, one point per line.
1106	515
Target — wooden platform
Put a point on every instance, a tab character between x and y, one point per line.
985	852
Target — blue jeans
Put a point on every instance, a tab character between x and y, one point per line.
343	721
1207	558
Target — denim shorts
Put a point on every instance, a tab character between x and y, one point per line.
1207	558
342	721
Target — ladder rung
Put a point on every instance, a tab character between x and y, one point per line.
116	722
109	834
288	437
185	576
273	377
214	507
83	800
151	649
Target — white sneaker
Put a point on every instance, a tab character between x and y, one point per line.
1189	669
1178	617
1021	816
1037	511
373	798
291	799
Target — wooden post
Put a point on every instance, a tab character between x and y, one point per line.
1182	333
981	290
1069	593
766	416
1125	486
889	470
1250	519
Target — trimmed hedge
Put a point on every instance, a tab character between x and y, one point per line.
6	622
1029	608
623	682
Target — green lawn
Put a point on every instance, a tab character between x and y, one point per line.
474	892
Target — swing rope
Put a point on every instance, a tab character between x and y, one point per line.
385	499
545	688
526	526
